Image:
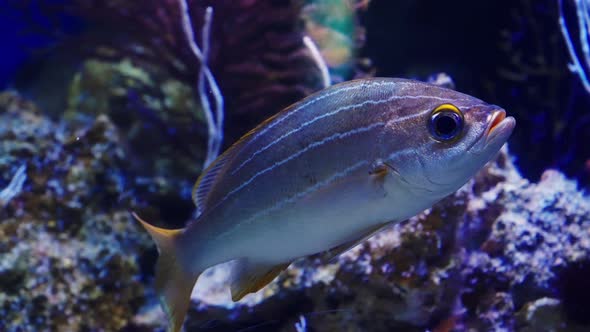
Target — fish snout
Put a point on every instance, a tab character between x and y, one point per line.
499	126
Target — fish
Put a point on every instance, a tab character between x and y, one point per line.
323	175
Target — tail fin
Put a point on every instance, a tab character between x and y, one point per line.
173	283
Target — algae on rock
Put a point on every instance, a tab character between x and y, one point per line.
69	250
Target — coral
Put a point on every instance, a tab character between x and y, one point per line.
150	109
206	83
69	250
580	64
332	24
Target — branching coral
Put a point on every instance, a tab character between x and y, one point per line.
215	125
580	64
321	63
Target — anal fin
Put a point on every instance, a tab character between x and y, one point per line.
250	278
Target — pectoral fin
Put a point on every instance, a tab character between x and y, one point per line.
250	278
336	251
378	170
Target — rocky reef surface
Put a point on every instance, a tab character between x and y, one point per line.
502	254
69	251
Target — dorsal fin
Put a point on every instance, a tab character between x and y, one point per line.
205	183
207	179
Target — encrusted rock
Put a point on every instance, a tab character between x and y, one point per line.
69	250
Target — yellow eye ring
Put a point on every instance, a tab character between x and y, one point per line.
448	107
446	122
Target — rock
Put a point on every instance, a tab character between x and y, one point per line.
544	314
69	250
162	126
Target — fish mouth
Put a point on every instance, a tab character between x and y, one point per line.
500	126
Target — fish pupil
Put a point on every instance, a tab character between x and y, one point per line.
445	125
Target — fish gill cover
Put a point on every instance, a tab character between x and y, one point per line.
102	115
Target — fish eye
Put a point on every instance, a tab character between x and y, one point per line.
446	122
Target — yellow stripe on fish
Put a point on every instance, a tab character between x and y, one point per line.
322	175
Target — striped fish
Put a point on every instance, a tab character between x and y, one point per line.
325	174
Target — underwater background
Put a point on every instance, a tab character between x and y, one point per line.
106	108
